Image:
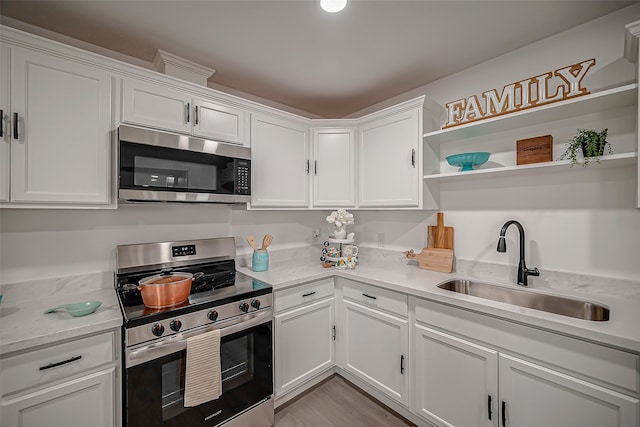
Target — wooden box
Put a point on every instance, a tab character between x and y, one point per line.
534	150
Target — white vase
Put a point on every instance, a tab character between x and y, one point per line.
340	233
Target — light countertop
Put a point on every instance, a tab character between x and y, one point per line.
389	270
23	324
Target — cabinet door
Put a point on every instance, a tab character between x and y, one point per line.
280	162
334	164
62	153
156	106
536	396
375	348
221	122
451	371
5	138
389	166
304	344
87	401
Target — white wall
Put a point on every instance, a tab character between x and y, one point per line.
589	226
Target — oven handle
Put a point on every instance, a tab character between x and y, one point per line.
179	342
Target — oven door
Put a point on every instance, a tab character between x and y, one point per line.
154	389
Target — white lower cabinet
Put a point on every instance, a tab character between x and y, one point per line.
86	401
532	396
304	334
374	340
456	381
460	382
76	383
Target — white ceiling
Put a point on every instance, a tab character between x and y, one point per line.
292	52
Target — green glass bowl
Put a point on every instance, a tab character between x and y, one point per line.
77	309
468	160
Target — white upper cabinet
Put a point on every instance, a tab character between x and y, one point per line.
157	106
60	121
221	122
280	162
390	158
5	134
152	105
334	163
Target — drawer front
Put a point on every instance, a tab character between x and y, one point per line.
372	296
615	368
56	362
303	294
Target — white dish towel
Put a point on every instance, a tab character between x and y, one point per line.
203	378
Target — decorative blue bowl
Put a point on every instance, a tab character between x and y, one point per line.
468	160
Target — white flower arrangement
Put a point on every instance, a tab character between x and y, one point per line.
340	218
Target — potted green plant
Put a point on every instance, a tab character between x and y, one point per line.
592	144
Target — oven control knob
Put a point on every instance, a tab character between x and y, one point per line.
255	304
244	307
175	325
213	315
157	329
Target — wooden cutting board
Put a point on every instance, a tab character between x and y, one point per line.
439	236
435	259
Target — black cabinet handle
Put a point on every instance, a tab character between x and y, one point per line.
188	111
315	167
309	294
489	407
401	364
334	332
15	126
504	414
64	362
308	167
413	157
369	296
195	114
1	123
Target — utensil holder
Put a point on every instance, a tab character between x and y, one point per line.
260	260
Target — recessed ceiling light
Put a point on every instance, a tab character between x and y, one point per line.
333	6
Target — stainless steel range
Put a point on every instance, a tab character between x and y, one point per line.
155	339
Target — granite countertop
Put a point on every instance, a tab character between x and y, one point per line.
389	270
23	324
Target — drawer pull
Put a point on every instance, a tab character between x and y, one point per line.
15	126
64	362
369	296
308	295
333	335
504	414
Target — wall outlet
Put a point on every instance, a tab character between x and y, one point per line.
316	233
380	240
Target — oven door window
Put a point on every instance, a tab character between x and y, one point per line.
148	167
155	389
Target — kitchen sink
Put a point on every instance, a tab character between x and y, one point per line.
550	303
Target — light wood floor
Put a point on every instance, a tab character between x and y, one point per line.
336	403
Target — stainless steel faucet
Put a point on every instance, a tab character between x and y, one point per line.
523	271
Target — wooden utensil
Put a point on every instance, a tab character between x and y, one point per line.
252	242
435	259
439	236
268	238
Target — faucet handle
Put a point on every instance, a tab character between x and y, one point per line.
534	272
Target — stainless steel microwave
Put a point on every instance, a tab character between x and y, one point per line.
155	166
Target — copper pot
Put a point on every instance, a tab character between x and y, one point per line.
166	289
